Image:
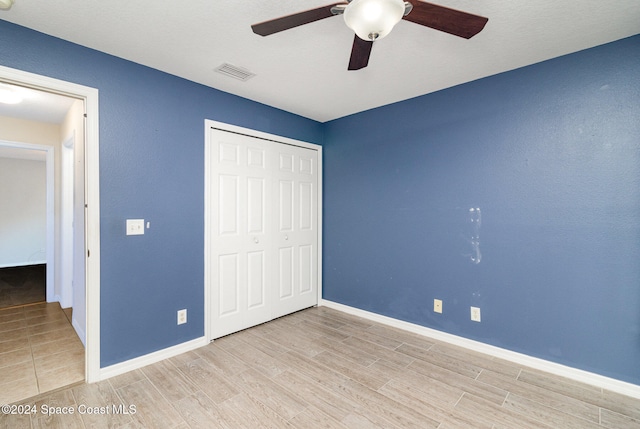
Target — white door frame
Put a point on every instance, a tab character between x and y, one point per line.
67	211
92	200
209	206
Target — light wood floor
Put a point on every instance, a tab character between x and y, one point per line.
39	351
321	368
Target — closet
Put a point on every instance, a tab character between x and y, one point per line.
262	227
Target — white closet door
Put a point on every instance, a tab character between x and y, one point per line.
263	230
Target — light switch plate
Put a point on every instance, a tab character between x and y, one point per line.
135	226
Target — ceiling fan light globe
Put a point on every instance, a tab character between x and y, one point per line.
373	19
6	4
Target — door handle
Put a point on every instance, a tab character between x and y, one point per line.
255	240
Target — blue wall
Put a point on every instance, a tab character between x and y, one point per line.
151	167
551	155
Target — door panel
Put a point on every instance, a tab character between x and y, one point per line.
229	204
286	162
285	272
306	206
256	279
256	205
306	165
256	157
229	153
306	269
229	269
286	205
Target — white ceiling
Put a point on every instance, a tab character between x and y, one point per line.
304	70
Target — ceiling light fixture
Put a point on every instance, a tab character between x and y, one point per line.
6	4
9	95
374	19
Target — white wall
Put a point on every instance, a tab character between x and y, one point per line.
23	220
20	130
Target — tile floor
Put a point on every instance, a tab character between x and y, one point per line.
39	351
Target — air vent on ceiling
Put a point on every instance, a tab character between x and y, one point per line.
235	72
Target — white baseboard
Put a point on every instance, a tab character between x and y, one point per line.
142	361
575	374
79	331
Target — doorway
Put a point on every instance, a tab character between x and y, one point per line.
43	351
86	245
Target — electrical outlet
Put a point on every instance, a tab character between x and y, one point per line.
182	316
437	306
475	314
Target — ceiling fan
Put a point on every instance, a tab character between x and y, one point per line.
373	19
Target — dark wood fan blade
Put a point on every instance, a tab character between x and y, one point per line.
290	21
360	53
442	18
